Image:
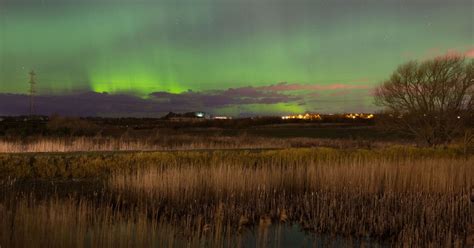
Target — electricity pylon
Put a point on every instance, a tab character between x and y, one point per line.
32	92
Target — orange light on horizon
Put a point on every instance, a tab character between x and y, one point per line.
359	116
306	116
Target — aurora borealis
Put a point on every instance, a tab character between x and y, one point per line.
223	56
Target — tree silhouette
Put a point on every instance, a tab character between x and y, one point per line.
432	100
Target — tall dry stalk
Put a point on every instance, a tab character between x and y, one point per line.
176	142
410	202
403	196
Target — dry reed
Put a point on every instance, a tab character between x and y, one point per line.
405	197
175	142
414	203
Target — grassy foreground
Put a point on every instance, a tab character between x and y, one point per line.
397	196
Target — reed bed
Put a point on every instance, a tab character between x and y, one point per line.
414	203
399	196
174	142
78	223
102	164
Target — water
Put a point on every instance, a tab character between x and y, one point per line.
295	236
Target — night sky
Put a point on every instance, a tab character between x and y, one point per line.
234	57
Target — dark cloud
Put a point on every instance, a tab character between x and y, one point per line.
78	104
160	103
224	98
313	87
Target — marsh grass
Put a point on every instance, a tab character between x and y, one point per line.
72	223
399	196
172	142
406	202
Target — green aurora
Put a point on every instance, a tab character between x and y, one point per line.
140	47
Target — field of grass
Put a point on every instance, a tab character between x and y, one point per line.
396	196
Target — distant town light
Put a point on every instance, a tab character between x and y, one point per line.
306	116
359	116
309	116
222	118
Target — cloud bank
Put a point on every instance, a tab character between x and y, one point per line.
275	98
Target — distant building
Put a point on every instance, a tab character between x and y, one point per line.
187	117
203	115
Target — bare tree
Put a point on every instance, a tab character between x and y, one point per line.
432	100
